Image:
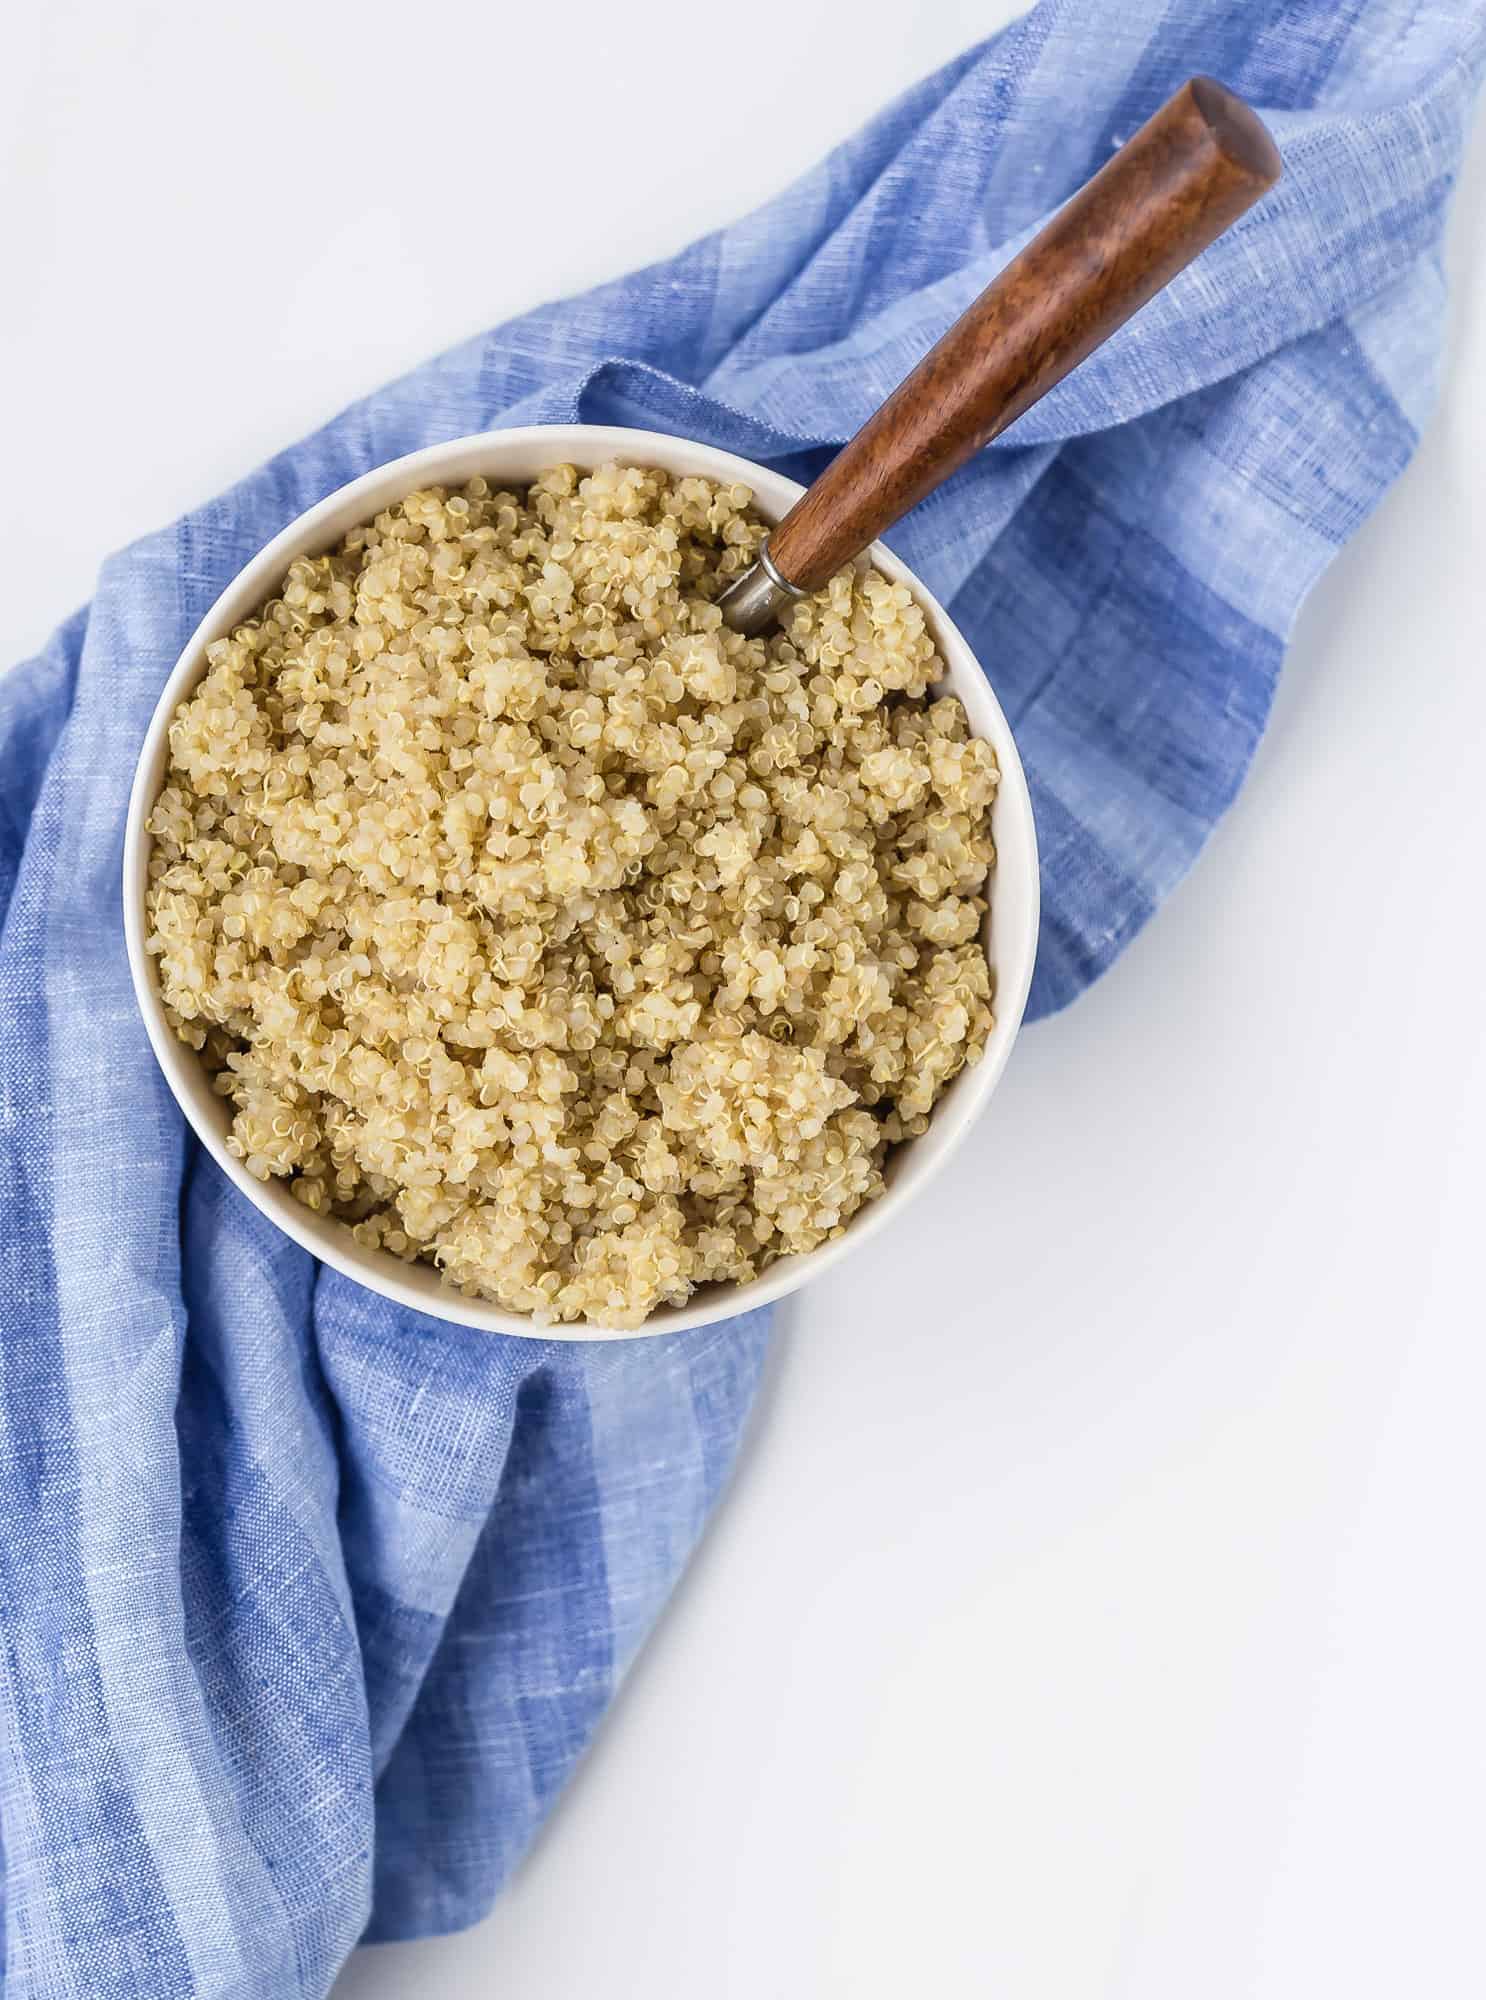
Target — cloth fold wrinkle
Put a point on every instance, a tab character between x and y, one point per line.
311	1604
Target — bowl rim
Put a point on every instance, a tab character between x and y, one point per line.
419	1287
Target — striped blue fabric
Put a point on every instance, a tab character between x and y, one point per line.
309	1604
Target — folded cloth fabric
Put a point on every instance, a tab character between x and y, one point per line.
310	1604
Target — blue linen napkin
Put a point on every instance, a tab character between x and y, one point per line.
310	1604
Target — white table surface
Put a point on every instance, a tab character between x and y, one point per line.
1099	1609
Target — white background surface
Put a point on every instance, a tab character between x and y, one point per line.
1100	1607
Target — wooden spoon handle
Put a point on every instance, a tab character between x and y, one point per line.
1179	182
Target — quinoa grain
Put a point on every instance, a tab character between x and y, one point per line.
538	926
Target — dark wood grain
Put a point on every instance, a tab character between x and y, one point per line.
1186	175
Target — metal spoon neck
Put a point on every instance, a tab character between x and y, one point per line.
759	597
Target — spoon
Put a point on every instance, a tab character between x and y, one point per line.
1189	173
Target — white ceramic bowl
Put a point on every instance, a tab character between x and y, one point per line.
512	458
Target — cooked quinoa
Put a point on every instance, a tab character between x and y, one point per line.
538	926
